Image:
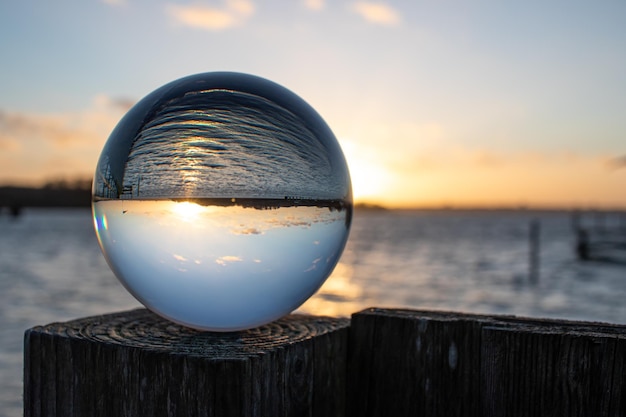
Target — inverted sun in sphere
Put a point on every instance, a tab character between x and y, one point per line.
222	201
187	211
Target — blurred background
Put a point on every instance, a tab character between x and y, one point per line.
481	137
435	103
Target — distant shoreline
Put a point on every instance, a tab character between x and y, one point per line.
25	197
55	196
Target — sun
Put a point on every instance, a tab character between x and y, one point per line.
370	177
187	211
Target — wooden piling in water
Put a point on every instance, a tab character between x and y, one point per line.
603	240
534	244
384	362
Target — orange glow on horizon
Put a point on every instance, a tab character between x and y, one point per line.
445	175
518	183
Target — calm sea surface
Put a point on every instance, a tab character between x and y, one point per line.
51	269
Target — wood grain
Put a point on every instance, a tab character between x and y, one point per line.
135	363
405	362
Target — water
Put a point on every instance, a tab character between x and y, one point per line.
222	135
473	262
222	265
51	269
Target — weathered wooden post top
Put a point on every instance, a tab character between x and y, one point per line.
137	364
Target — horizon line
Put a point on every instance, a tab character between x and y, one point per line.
371	204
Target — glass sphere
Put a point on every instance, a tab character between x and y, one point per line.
222	201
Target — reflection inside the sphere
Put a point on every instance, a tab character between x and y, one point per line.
232	261
187	211
222	201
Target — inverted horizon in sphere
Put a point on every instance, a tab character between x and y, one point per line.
220	138
222	201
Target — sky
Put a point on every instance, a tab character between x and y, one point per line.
435	103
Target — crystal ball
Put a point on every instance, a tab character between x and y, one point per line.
222	201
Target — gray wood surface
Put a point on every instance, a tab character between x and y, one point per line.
384	362
405	363
135	363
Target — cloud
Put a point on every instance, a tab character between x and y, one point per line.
225	260
8	143
103	102
617	162
115	3
315	5
37	146
231	14
24	127
242	7
477	177
377	13
248	231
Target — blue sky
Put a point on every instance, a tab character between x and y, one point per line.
434	102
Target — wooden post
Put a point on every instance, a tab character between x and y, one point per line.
137	364
534	238
405	363
600	221
548	370
394	362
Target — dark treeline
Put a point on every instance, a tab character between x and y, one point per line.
59	193
77	193
269	203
